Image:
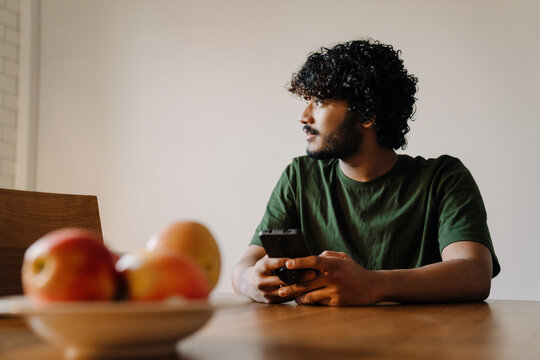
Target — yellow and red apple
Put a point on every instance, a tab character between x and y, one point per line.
194	240
159	275
69	264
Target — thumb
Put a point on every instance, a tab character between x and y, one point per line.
337	254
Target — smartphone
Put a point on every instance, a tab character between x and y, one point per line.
288	243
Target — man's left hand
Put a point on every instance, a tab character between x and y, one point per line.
341	281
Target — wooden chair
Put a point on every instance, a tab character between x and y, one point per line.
25	216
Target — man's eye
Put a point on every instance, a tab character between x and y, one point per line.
317	101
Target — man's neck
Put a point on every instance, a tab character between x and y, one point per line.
369	164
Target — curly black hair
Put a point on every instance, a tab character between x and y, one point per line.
371	77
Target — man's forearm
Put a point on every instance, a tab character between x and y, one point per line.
451	280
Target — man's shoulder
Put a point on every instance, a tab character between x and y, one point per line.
442	162
435	170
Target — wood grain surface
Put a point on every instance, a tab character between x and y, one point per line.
488	330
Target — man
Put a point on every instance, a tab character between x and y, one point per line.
387	227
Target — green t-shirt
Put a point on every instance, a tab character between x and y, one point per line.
403	219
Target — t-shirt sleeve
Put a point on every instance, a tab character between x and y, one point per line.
281	210
462	215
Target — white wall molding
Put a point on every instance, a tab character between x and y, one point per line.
28	103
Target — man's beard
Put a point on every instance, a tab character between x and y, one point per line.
342	142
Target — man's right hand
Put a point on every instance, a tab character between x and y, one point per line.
260	282
254	276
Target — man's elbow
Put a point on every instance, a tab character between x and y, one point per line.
481	288
481	293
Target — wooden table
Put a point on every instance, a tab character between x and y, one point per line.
489	330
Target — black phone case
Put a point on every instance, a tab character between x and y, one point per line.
287	243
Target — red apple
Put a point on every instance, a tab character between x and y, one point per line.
194	240
115	256
159	275
69	264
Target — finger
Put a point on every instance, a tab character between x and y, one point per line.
269	282
310	262
267	265
307	275
296	290
337	254
271	293
271	296
320	296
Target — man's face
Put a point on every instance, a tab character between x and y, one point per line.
331	129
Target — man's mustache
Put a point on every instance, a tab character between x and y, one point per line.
308	130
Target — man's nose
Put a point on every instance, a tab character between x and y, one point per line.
306	117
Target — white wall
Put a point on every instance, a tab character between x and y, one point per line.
177	109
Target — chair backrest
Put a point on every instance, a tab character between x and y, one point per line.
25	216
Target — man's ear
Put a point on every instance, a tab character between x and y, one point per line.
369	123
